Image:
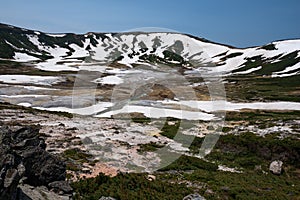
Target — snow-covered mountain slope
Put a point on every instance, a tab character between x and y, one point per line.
70	52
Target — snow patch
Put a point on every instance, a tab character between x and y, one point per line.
23	57
228	169
153	112
249	70
90	110
110	80
37	88
25	104
285	75
56	35
212	106
36	80
24	96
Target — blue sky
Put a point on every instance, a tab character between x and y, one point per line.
239	23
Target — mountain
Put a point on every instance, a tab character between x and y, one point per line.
30	59
135	102
66	52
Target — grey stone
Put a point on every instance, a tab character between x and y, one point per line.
107	198
195	196
276	167
21	170
11	177
61	186
26	192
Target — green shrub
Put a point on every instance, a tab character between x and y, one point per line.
190	163
128	186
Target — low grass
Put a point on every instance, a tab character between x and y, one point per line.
262	117
77	154
248	150
258	88
247	185
152	146
184	163
144	120
128	186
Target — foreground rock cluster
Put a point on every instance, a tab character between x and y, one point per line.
27	170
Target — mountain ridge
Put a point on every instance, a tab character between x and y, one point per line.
65	51
188	34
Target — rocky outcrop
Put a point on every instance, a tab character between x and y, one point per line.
27	192
23	158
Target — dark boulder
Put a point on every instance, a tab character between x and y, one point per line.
61	187
23	157
42	168
9	184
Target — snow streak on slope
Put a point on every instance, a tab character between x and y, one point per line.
127	44
281	49
56	52
23	57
